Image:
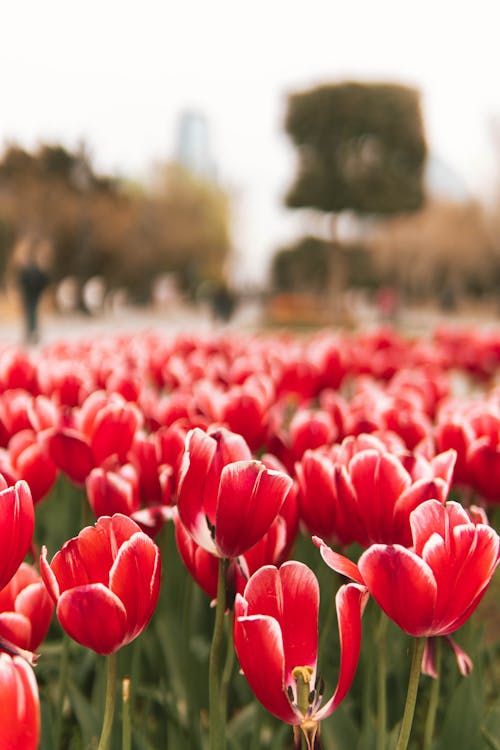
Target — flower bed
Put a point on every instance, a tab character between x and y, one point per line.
144	478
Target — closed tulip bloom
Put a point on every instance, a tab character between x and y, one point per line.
19	706
25	609
434	587
276	640
17	520
227	504
31	462
105	583
112	492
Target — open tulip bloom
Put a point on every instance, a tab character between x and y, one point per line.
434	587
105	583
276	640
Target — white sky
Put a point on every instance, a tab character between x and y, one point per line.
118	73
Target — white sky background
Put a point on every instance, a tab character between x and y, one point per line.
119	73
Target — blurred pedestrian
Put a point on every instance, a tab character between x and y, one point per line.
31	258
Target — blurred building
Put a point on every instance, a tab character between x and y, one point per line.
193	147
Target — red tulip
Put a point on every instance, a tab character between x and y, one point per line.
17	521
109	574
227	504
483	467
433	588
104	427
310	429
111	492
25	609
19	706
203	566
378	490
276	640
31	462
245	409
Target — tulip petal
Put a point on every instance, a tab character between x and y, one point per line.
48	576
202	566
84	559
16	627
319	505
93	616
290	595
35	603
300	616
434	517
250	497
463	573
17	522
402	584
135	579
419	492
350	602
464	661
337	562
71	453
379	480
19	707
191	503
113	431
259	646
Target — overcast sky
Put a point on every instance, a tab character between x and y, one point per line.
118	73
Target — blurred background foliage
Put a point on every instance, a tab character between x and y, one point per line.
97	225
361	147
377	212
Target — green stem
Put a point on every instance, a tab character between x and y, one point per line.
217	721
126	715
430	721
382	682
109	707
411	696
62	689
227	671
325	635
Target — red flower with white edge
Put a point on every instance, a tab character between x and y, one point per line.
112	492
225	503
103	428
109	574
276	640
17	523
31	462
434	587
25	609
20	706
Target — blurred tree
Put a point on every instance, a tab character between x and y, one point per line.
302	266
360	146
189	217
444	252
305	266
99	226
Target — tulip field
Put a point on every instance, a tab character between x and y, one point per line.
242	542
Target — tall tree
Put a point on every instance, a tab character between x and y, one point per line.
361	147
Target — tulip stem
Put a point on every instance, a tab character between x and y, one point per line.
61	690
109	707
126	715
411	696
217	720
227	671
433	698
381	682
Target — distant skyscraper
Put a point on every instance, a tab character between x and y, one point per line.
193	144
